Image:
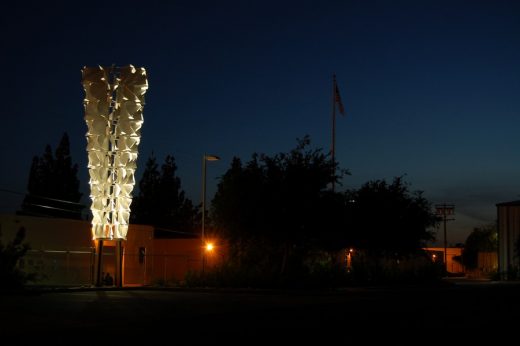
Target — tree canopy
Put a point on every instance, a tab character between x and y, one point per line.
277	210
53	187
270	207
388	219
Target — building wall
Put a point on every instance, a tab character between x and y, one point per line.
63	252
137	250
174	258
488	262
437	254
508	215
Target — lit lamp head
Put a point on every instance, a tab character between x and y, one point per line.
211	157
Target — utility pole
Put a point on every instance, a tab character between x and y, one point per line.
336	102
445	210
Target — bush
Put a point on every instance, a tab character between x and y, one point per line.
383	270
320	270
11	276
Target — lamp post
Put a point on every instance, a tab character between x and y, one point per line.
203	234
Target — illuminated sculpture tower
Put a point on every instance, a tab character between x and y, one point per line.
114	101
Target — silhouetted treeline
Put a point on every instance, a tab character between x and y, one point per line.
161	201
387	218
283	222
53	187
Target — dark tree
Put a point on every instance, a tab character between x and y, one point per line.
272	208
53	187
176	211
161	201
388	219
144	205
237	206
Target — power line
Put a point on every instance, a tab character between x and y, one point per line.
54	208
42	197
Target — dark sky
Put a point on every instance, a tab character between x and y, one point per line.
431	88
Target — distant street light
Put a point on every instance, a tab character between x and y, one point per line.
349	259
203	234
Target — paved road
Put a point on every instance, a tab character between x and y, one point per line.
464	312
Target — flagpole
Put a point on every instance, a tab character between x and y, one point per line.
333	149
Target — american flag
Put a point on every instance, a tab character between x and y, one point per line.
337	99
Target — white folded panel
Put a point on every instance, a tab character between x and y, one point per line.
114	117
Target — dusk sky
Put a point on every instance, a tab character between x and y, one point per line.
431	89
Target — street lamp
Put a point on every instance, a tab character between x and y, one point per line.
203	235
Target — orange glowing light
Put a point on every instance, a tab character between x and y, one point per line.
209	247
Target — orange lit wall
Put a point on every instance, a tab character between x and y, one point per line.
63	252
452	265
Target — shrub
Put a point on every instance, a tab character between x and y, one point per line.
11	276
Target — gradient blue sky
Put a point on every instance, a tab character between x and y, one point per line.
431	88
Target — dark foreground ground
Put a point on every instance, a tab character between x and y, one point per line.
439	314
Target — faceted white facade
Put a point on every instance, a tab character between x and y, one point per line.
114	101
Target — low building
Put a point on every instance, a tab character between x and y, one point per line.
453	258
63	252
